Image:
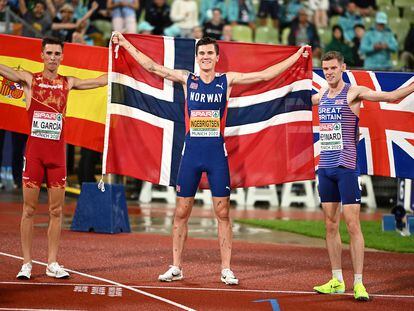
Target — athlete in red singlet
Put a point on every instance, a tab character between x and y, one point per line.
46	96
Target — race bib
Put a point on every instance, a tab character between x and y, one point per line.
205	123
330	136
47	125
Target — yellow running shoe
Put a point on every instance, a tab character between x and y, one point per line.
332	287
360	293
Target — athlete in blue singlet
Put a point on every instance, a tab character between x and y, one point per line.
339	107
204	151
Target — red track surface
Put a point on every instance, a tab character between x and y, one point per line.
265	271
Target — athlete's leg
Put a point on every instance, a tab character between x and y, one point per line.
351	215
350	190
56	201
30	201
332	213
225	234
180	227
330	198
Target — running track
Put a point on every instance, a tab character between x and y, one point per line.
119	272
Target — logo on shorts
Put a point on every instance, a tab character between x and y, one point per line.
178	188
357	200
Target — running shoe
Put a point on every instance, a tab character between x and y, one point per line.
227	277
360	293
54	270
25	271
332	287
174	273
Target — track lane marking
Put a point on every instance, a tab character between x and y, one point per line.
204	289
176	304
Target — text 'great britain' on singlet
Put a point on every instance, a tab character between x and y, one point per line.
338	130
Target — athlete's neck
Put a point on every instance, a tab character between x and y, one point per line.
336	88
207	76
48	74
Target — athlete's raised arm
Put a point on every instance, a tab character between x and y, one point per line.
267	74
364	93
148	64
86	84
19	76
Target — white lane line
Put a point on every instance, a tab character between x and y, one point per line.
111	282
204	289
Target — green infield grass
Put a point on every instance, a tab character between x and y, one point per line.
374	236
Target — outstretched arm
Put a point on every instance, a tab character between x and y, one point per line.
267	74
19	76
148	64
365	93
86	84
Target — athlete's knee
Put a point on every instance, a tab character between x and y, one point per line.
223	214
354	228
29	209
55	210
332	226
182	213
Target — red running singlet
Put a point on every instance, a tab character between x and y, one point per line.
45	156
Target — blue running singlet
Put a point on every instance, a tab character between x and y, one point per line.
204	149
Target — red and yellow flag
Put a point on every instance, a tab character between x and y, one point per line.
86	110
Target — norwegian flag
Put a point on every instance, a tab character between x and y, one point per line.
268	132
386	146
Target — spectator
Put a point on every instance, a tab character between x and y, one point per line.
64	27
356	43
241	12
407	56
227	33
365	7
349	20
303	32
337	7
269	8
214	27
158	15
102	13
145	28
378	43
206	9
338	44
198	32
37	18
3	6
320	12
290	12
80	8
184	13
124	18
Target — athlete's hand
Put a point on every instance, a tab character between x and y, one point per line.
118	39
304	51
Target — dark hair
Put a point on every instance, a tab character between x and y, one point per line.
333	55
207	41
217	9
359	26
41	2
335	27
51	40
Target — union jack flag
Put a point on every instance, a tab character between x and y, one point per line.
268	132
386	146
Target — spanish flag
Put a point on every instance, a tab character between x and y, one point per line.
86	110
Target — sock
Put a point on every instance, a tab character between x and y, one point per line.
357	278
338	275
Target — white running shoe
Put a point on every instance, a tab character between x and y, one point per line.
25	272
174	273
227	277
55	271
